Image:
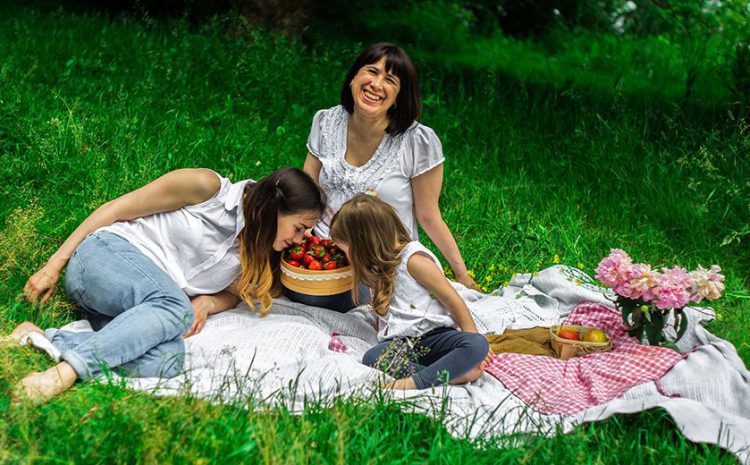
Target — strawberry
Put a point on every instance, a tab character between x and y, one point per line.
325	243
296	253
319	252
331	266
327	258
315	265
313	240
294	263
307	259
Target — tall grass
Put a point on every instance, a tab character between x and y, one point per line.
536	172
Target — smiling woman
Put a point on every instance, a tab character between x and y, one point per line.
149	266
373	142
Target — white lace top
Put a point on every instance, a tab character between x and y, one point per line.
388	172
413	310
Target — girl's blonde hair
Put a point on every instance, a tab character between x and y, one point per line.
375	236
286	192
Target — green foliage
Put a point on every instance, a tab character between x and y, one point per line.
553	153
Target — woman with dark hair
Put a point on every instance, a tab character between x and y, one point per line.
374	142
151	265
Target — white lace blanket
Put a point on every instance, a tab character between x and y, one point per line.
285	357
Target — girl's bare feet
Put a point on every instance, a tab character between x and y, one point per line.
403	384
38	388
472	375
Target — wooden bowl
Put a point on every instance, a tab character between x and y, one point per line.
318	283
568	348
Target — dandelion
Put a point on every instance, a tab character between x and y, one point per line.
556	259
580	265
488	278
471	273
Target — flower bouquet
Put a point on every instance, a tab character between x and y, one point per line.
646	297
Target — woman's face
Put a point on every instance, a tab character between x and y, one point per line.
290	229
374	90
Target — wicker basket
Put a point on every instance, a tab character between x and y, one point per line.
567	348
319	283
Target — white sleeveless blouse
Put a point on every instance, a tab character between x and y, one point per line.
413	311
195	245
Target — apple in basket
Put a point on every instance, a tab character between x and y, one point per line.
316	267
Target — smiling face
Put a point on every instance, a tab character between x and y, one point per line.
290	229
374	90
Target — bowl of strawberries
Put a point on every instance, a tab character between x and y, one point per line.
316	272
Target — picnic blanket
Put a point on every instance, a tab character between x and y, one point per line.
299	353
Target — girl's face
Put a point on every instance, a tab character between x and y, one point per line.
290	229
374	90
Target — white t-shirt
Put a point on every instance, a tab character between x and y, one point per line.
413	310
388	172
195	245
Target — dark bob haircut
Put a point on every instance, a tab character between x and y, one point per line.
408	103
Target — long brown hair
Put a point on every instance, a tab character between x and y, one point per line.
375	236
288	191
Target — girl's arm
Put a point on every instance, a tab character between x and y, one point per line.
426	191
172	191
426	272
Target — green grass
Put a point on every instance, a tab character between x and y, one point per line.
92	108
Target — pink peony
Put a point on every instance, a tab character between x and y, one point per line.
673	288
612	269
640	284
707	284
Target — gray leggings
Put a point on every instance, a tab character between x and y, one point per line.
437	357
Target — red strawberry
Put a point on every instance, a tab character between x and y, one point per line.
315	265
313	240
307	259
296	253
319	251
325	243
331	266
294	263
327	258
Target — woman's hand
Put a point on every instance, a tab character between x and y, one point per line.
43	283
468	281
203	305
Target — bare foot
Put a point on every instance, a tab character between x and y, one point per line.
38	388
472	375
403	384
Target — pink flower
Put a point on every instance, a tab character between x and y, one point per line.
640	284
707	284
612	269
673	288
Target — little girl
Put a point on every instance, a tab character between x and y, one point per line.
427	336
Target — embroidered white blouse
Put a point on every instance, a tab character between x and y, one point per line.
388	172
195	245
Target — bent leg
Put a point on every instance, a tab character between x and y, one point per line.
113	279
452	355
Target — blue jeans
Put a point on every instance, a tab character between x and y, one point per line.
138	311
435	358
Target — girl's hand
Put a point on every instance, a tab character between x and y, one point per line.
202	306
43	283
467	281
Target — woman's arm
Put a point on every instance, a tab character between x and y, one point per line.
312	167
427	273
172	191
426	191
204	305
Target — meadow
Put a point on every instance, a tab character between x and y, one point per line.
545	164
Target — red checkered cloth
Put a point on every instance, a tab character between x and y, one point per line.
554	386
336	344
